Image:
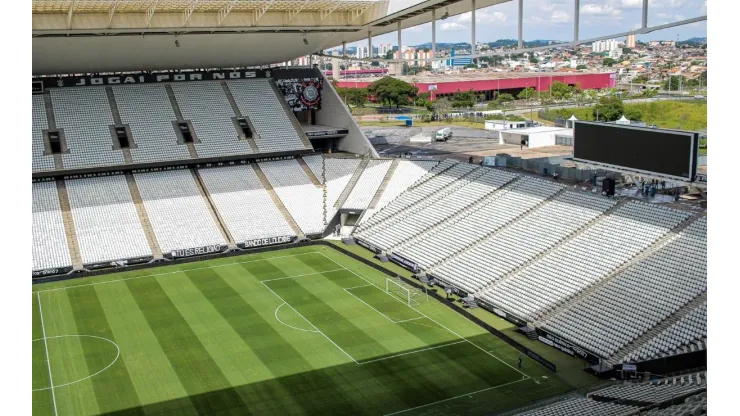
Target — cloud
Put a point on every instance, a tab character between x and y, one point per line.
559	17
482	16
600	10
452	27
630	4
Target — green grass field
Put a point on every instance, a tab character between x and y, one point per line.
301	331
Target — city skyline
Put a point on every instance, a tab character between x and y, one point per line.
553	20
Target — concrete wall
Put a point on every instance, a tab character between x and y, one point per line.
541	139
334	113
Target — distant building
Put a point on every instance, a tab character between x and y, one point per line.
604	45
631	41
362	52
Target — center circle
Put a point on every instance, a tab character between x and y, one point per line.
57	342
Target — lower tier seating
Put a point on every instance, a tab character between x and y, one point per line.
49	248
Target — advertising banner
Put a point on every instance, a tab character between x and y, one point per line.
301	94
51	272
195	251
260	242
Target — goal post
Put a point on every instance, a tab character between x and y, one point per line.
409	295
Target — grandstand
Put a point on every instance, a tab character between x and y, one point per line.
206	174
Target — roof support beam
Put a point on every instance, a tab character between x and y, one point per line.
262	10
644	13
293	13
225	12
352	15
150	13
70	11
325	13
111	12
577	20
189	12
520	25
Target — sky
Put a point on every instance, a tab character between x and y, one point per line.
553	20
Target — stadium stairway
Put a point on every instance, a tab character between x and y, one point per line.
657	329
117	120
649	251
293	120
235	109
352	182
484	200
51	121
69	225
180	119
309	172
424	202
572	235
214	211
499	230
278	202
379	193
143	216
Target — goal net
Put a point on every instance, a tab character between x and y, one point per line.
408	294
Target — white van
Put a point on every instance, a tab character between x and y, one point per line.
443	135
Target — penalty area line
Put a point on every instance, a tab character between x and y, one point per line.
46	349
363	362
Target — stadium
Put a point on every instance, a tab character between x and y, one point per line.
213	235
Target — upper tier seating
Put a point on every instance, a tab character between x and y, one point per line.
640	297
656	391
583	407
49	248
206	106
687	334
695	405
406	174
106	222
367	185
498	209
149	114
300	196
583	260
39	161
84	114
180	216
526	238
257	100
244	204
338	174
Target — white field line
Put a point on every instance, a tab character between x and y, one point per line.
423	314
355	287
178	271
411	319
300	275
46	349
118	354
290	326
309	322
456	397
373	308
363	362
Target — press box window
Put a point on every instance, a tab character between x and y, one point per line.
122	137
55	141
244	126
187	135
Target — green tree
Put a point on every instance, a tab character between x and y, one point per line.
608	61
392	91
673	83
374	63
626	51
389	54
609	108
640	79
561	91
526	94
353	96
422	98
464	99
533	60
633	114
579	67
505	98
442	105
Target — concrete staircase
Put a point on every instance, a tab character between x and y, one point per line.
151	238
52	123
384	184
69	225
117	121
654	331
499	230
649	251
277	201
238	113
572	235
424	202
309	172
180	118
293	121
352	182
225	233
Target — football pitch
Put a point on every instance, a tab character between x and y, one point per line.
301	331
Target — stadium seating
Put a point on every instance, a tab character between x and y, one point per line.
206	106
583	260
367	185
583	407
106	223
40	162
49	248
338	173
471	225
639	298
300	196
523	240
244	204
84	114
689	333
256	99
695	405
149	114
180	216
656	391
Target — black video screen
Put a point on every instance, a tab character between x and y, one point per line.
664	152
